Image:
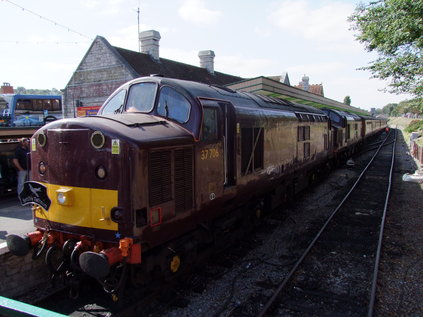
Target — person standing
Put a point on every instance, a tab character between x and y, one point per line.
21	163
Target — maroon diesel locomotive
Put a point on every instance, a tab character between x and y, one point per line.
165	169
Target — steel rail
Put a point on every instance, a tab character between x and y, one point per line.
270	302
382	226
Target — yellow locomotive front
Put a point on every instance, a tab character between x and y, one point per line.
79	192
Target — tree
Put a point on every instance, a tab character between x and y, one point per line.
23	91
394	29
347	100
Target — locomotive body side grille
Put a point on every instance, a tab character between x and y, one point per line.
160	177
183	179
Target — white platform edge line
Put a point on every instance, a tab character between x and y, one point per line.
3	248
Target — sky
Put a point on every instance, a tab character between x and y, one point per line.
42	42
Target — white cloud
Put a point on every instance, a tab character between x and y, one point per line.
326	24
108	8
239	65
195	11
317	69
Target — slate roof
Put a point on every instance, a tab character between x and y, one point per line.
144	65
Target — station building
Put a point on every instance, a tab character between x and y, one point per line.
105	67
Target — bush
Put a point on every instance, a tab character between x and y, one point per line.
414	126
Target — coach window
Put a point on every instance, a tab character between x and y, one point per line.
210	130
306	150
173	105
252	150
115	104
141	97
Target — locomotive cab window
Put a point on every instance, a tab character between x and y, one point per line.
141	97
114	105
173	105
210	127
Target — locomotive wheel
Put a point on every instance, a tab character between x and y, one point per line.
175	263
55	259
68	247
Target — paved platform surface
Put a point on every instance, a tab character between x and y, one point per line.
14	218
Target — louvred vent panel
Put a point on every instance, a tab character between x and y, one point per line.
183	179
160	177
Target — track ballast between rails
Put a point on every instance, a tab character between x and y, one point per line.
337	273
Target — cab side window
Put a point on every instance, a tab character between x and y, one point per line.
173	105
210	130
115	104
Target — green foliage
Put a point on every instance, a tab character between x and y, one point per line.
347	100
394	29
414	126
24	91
413	106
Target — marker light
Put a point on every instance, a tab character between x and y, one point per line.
101	172
64	196
42	167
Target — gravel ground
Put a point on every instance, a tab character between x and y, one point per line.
240	289
400	283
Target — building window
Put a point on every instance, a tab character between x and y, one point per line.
252	150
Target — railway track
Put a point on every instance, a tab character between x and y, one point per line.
337	273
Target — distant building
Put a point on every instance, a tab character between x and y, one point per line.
304	84
284	79
105	67
6	88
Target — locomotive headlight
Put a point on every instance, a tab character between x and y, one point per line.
101	172
64	196
97	139
42	167
41	139
61	198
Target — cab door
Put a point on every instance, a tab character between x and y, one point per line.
214	152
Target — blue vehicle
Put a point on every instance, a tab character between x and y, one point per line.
29	110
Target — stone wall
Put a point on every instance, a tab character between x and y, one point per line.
98	75
18	275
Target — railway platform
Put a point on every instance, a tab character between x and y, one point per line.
14	218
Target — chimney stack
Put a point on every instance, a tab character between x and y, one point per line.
150	43
6	89
207	60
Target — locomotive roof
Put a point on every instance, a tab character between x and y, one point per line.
238	98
